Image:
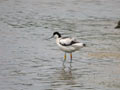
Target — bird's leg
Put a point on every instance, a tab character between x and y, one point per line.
64	57
70	57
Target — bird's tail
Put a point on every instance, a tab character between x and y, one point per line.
79	45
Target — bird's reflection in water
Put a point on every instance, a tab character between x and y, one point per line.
66	75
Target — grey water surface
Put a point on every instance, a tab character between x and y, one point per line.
30	61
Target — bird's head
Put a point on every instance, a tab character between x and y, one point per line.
56	35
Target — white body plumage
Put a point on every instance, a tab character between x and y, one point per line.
66	45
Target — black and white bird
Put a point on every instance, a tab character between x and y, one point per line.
68	45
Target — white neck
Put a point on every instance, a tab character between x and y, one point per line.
57	40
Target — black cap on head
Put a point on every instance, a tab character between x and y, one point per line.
57	33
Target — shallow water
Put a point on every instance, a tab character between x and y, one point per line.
29	61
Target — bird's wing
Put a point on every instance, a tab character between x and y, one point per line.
67	41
